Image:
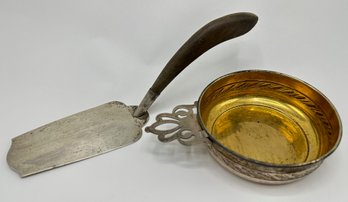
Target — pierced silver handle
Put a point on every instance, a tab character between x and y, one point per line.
179	125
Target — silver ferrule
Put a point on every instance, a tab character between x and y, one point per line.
144	105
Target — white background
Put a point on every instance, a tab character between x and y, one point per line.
61	57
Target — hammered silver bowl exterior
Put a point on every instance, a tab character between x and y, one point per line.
257	172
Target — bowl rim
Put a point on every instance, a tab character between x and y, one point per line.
263	163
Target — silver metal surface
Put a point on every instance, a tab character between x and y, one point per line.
80	136
183	126
259	173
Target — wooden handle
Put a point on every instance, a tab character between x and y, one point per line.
212	34
215	32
